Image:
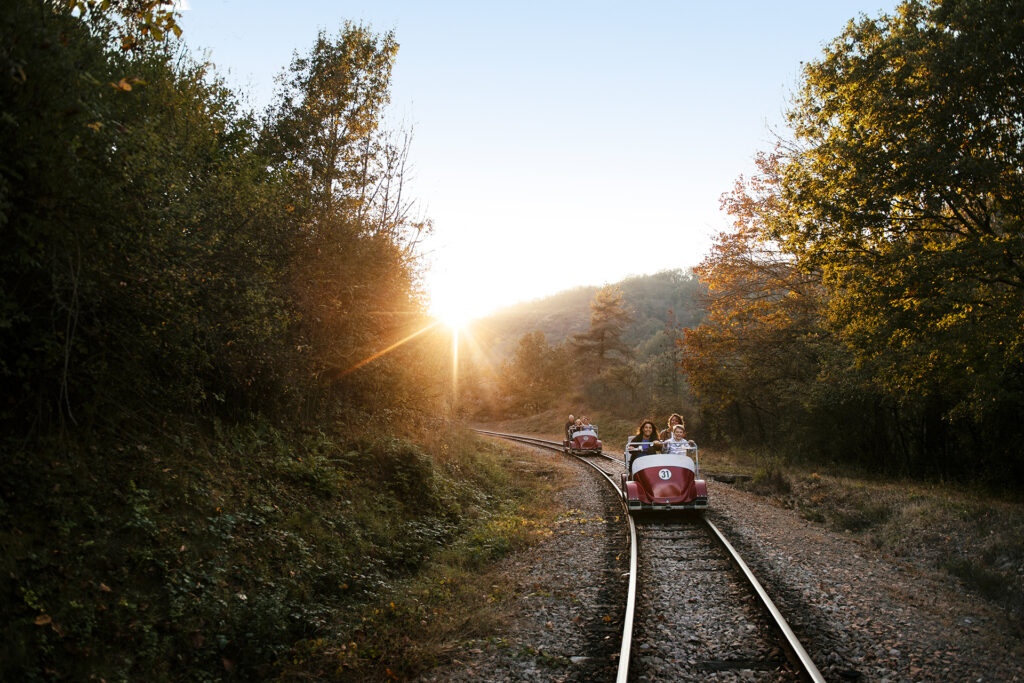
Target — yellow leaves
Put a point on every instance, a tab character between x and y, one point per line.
43	619
95	125
125	84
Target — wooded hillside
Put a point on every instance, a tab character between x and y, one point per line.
649	298
871	291
613	348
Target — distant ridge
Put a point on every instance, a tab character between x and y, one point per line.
561	315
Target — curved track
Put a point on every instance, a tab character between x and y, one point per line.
702	614
627	626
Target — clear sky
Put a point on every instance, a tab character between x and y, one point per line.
557	144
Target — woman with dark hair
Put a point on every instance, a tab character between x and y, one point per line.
673	420
644	442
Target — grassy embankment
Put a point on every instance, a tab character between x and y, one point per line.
253	553
966	530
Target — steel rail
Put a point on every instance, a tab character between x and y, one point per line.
795	650
627	622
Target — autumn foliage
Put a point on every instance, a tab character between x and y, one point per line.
872	290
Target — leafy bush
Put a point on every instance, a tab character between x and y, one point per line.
217	558
771	477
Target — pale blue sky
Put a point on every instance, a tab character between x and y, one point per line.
557	143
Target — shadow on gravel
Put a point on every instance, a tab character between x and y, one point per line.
810	625
604	637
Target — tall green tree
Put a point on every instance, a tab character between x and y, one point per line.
875	269
117	183
352	268
904	188
163	252
535	375
660	361
753	358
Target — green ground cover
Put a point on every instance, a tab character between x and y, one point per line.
254	553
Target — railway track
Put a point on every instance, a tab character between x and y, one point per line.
701	614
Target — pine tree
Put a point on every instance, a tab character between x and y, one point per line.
599	346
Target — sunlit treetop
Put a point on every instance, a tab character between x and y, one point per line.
142	18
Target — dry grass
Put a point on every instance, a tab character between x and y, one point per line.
937	526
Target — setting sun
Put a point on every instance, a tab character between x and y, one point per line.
454	316
452	303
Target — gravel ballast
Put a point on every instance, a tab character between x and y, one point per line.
861	614
565	624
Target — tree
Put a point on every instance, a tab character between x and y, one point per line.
608	320
163	252
664	358
122	189
874	274
353	255
629	377
904	189
752	359
324	126
536	373
140	21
